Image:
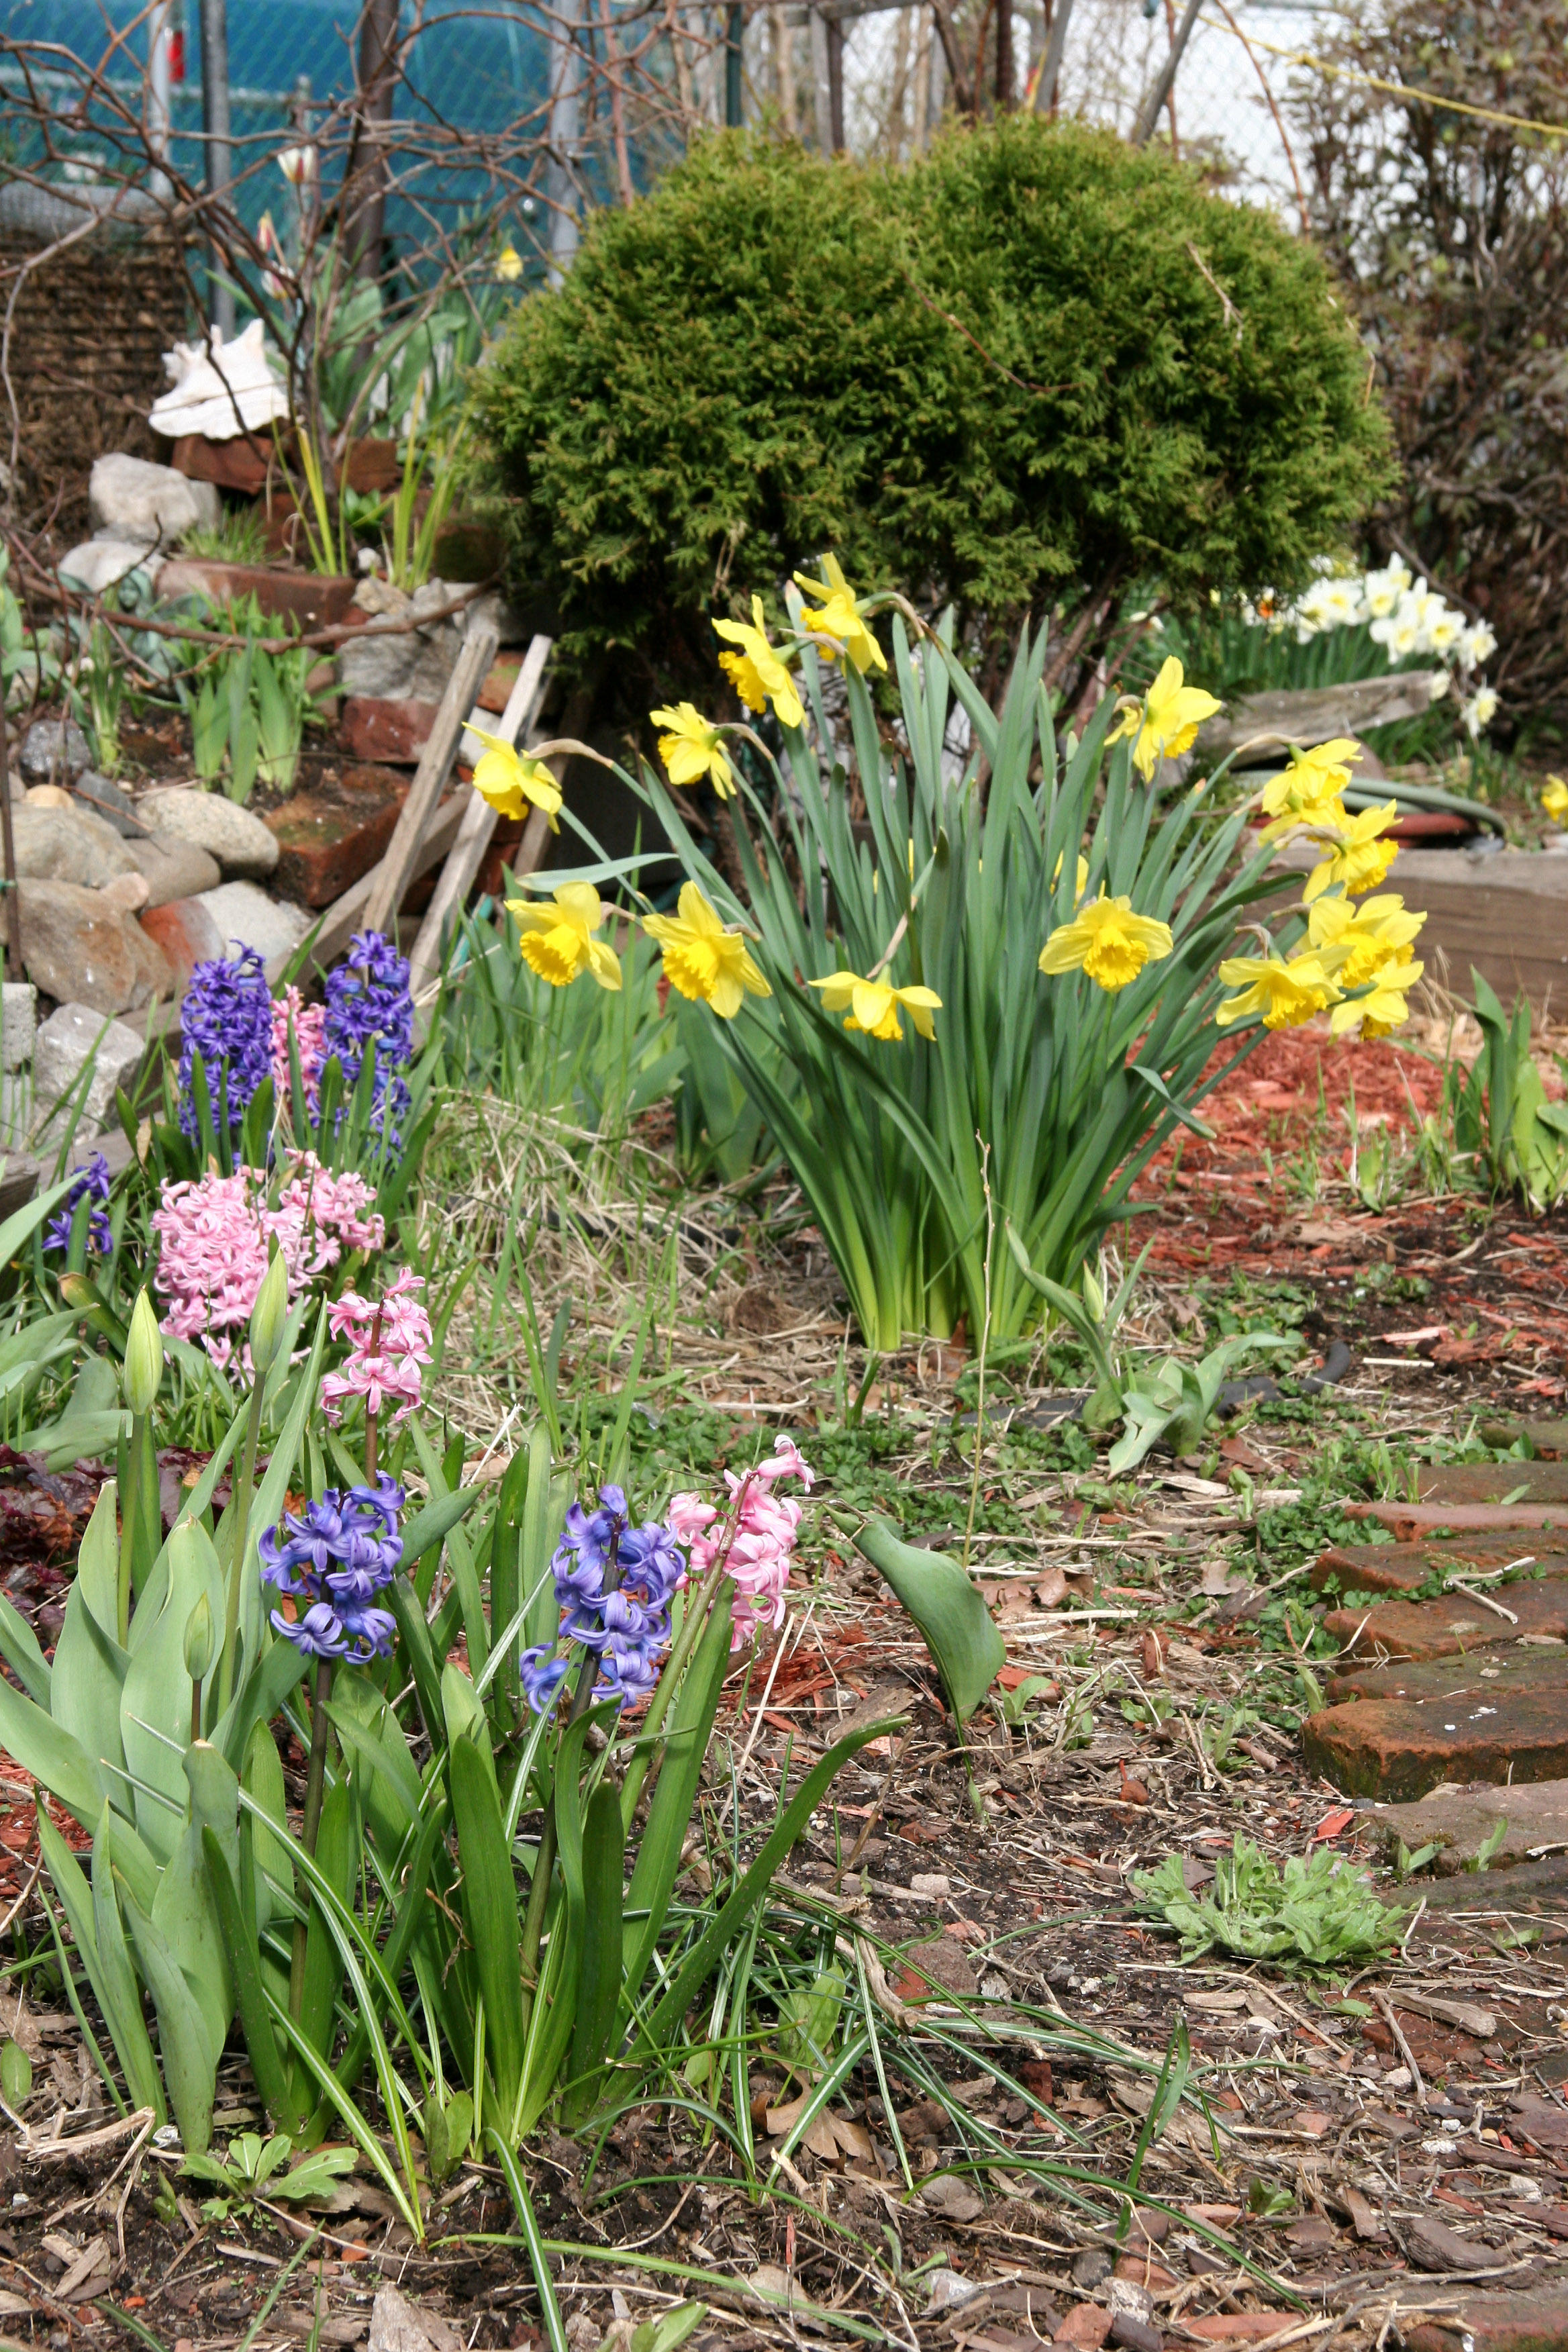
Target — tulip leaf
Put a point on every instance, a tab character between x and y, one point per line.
50	1753
190	2058
954	1623
19	1648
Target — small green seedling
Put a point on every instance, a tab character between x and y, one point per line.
448	2126
1406	1865
253	2164
1319	1912
1490	1846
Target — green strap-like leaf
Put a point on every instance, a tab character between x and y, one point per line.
489	1906
954	1623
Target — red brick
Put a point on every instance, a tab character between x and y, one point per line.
377	727
1534	2322
1488	1482
187	933
316	601
1455	1624
323	847
1405	1566
1402	1748
1086	2327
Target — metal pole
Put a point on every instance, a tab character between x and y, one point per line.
566	131
220	153
820	78
160	93
377	77
835	84
1051	71
1003	56
7	841
734	34
1166	76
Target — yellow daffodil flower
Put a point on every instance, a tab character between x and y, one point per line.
558	939
509	263
1385	1009
758	675
691	749
1083	882
840	617
511	782
1169	719
1554	799
1108	941
1354	944
1308	791
874	1005
1358	858
1286	994
701	958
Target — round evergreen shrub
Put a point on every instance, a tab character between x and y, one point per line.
1033	364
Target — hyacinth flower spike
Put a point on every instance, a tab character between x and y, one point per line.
328	1566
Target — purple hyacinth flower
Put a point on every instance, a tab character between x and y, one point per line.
369	1004
226	1018
334	1557
90	1184
542	1672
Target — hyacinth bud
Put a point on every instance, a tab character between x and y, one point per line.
1093	1296
201	1640
269	1315
77	1292
143	1357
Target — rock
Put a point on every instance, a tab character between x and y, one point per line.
186	933
1085	2328
933	1884
1128	2293
172	868
101	563
16	1108
105	799
1135	2333
53	752
398	2325
73	1035
130	498
1486	2321
239	841
954	2199
384	727
1433	2246
324	848
246	915
1091	2268
18	1022
1459	1822
81	951
948	2290
66	844
47	796
126	890
934	1966
411	666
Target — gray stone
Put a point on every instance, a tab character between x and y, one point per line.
18	1022
16	1108
173	868
399	2326
82	949
242	844
1459	1822
952	2199
101	563
53	752
947	2290
67	844
73	1035
247	915
107	800
1091	2268
130	498
412	666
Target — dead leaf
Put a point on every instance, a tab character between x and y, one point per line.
1153	1653
954	2199
1051	1588
1364	2221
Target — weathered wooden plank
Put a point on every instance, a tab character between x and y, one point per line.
1314	714
396	870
